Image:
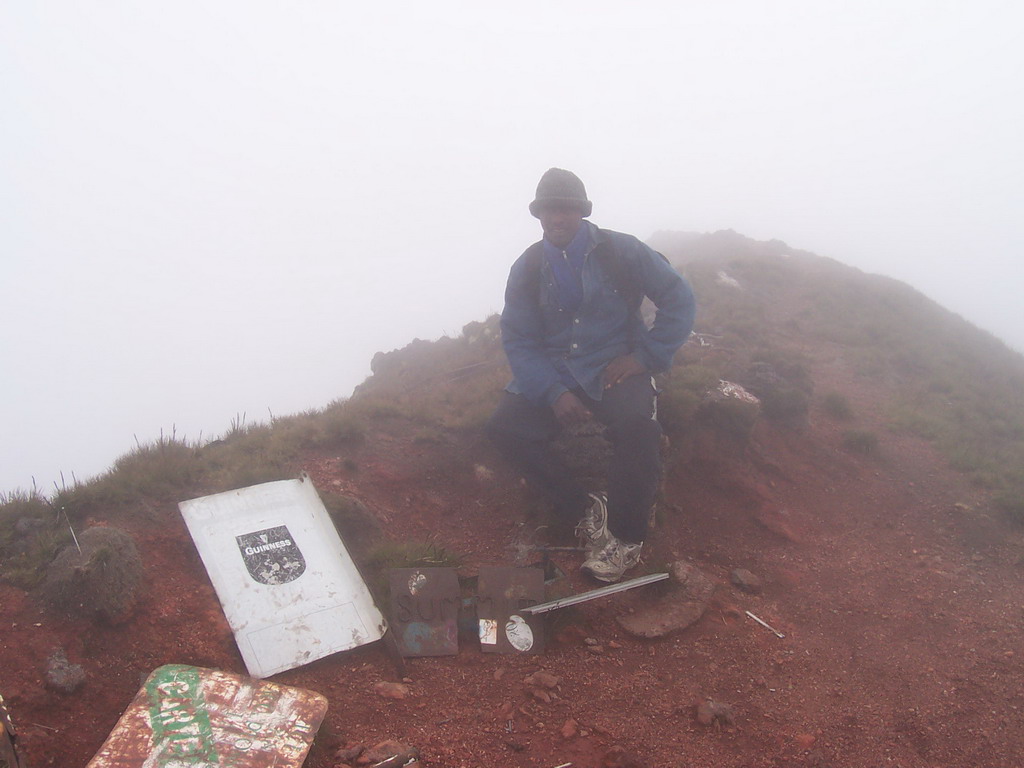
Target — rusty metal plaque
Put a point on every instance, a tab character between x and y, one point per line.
502	593
189	716
425	610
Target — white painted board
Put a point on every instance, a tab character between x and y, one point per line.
288	586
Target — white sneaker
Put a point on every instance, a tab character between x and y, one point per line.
592	530
612	560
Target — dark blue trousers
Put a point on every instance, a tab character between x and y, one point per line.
523	432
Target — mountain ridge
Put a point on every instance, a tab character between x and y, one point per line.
872	492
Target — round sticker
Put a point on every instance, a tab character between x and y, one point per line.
519	634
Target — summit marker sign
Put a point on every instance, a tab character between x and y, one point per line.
288	586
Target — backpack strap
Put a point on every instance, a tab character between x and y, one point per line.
533	258
611	261
620	272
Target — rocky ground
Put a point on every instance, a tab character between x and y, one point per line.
897	600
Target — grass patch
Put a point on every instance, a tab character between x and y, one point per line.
861	441
682	394
334	427
916	421
837	406
966	458
32	532
733	416
412	554
1011	503
24	509
25	568
261	454
428	437
403	554
781	379
163	469
356	525
787	405
159	469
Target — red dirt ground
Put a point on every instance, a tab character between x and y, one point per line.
900	599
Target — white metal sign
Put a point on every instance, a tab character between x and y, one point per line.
288	586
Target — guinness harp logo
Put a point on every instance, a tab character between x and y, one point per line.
271	556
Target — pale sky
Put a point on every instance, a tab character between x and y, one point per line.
216	208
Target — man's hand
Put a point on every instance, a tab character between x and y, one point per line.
622	368
569	410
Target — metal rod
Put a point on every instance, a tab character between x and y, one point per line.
564	602
765	624
72	530
40	725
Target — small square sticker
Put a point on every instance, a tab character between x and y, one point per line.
488	631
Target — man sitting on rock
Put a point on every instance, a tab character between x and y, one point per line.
579	350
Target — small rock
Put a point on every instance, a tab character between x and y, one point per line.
541	695
394	752
780	523
98	577
569	634
805	740
569	729
686	602
728	610
618	757
499	673
483	474
746	581
543	679
710	712
348	754
694	584
61	675
607	728
392	690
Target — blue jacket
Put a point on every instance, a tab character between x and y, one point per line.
536	332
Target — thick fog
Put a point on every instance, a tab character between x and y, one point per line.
216	209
